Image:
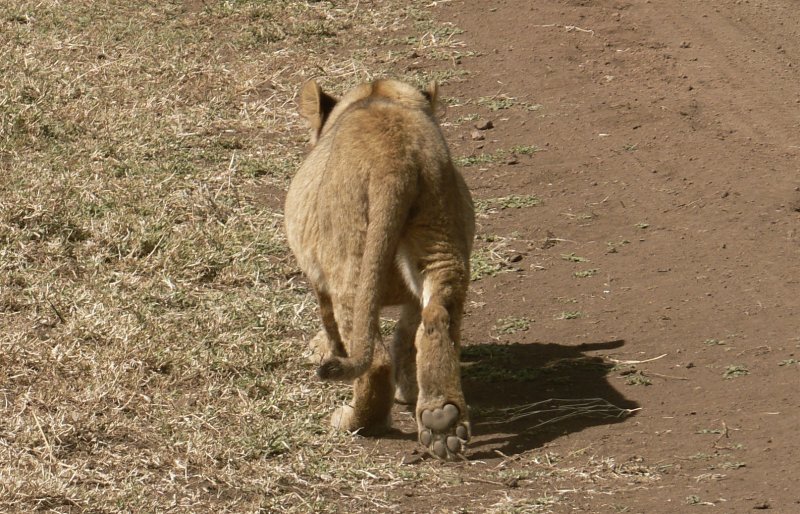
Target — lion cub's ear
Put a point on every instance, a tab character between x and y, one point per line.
431	92
315	106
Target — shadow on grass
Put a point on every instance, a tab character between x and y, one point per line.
524	395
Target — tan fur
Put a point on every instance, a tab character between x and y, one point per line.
378	215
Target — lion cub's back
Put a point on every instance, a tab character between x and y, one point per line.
378	137
328	201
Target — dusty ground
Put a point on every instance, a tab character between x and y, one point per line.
670	151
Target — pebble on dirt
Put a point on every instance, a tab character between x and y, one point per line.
476	135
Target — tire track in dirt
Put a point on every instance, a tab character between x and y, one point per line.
745	63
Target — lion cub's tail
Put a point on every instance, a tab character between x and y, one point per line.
390	197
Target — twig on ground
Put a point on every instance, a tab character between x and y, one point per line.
44	438
563	409
764	347
616	361
55	309
724	435
660	375
572	28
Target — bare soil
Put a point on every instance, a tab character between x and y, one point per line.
669	138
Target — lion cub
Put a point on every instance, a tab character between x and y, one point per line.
378	215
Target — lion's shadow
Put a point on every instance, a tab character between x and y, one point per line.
553	389
523	395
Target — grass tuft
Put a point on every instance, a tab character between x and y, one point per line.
151	357
489	205
512	325
491	257
735	371
496	156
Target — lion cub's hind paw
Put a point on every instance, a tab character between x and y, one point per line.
346	419
442	433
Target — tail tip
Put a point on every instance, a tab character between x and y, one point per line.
331	369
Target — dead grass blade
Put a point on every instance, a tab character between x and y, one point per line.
556	410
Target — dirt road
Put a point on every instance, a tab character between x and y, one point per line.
660	268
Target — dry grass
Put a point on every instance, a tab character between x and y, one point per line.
151	317
147	297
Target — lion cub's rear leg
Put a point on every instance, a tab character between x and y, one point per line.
442	416
404	355
327	341
369	412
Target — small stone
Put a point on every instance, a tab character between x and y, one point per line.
476	135
686	44
762	505
484	125
515	258
512	160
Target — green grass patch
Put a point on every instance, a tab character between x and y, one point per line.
476	160
571	257
487	205
524	149
735	371
486	263
497	103
497	156
504	102
638	378
491	257
467	118
512	325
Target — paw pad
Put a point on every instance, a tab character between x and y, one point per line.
426	437
442	433
440	419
